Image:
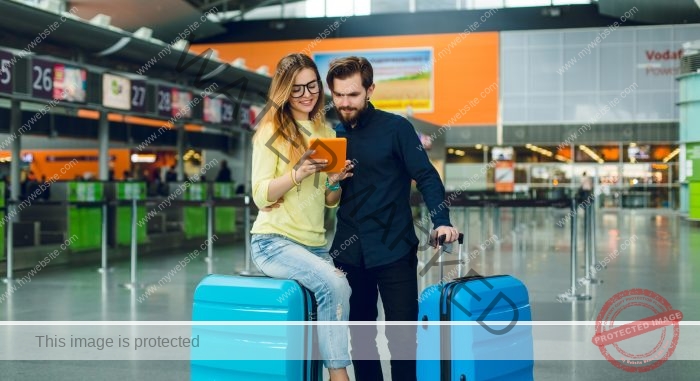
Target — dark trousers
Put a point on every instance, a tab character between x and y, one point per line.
397	283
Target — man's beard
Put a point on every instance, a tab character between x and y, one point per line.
351	121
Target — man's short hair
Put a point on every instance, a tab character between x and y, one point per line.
346	67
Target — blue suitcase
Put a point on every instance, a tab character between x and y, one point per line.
481	351
249	352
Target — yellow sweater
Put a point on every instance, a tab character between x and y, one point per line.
301	216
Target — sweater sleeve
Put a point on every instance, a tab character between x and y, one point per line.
423	172
264	166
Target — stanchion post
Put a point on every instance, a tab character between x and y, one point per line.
482	216
133	243
246	223
571	295
210	233
586	239
590	265
103	269
466	227
497	223
10	251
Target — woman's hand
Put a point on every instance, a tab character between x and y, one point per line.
307	166
336	177
276	205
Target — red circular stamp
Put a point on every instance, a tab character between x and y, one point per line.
662	323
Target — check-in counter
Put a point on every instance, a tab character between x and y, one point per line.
84	213
75	208
192	215
224	216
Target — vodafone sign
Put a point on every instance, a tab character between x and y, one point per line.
663	62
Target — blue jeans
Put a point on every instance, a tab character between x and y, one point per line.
279	257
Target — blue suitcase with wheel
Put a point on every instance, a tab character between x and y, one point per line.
480	351
252	352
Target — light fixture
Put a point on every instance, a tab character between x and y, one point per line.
451	150
633	144
180	45
101	20
478	146
144	33
592	154
672	155
143	158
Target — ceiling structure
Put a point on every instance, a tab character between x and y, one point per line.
167	18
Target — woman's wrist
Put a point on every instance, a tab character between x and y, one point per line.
294	177
332	186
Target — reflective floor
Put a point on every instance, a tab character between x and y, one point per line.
643	249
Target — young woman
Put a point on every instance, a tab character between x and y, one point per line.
288	236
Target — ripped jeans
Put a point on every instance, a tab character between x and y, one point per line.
279	257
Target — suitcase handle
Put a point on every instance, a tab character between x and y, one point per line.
442	238
441	242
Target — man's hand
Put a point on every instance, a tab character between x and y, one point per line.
335	177
276	205
451	234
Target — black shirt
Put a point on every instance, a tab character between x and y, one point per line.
375	203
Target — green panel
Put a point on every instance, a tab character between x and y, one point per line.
2	194
692	152
196	192
86	224
195	221
694	213
224	191
124	225
85	191
75	227
225	220
92	218
131	190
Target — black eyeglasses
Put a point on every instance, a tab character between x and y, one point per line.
298	90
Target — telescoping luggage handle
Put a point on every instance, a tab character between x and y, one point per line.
440	252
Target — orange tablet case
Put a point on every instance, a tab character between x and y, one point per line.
331	149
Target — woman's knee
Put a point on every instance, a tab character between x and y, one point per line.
338	287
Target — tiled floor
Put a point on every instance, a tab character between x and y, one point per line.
662	255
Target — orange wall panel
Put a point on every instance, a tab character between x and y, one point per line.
50	162
465	69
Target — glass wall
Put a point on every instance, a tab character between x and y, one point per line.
631	175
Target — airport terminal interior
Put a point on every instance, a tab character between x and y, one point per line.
566	134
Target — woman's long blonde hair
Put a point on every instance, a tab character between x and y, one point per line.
279	115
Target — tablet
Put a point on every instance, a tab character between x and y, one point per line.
331	149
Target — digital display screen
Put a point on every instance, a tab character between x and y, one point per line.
69	83
502	153
246	117
212	110
116	92
5	72
226	111
182	103
639	152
